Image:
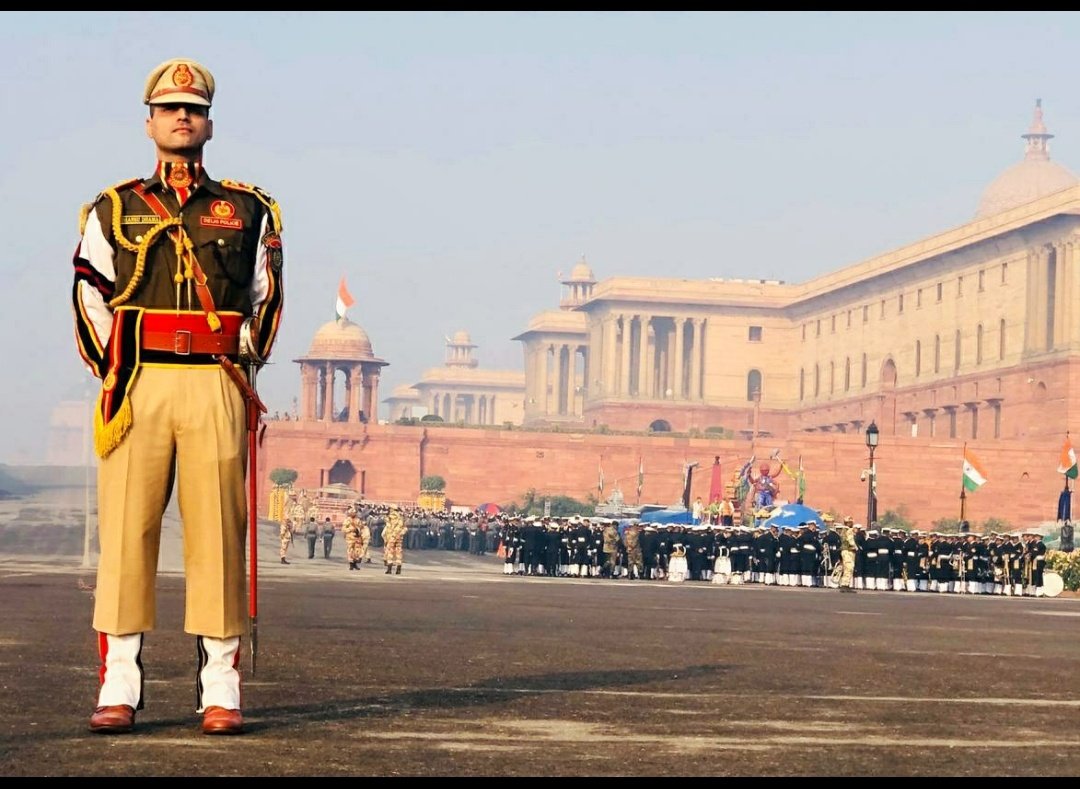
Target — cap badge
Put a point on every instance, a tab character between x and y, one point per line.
182	76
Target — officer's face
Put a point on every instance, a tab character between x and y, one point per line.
179	130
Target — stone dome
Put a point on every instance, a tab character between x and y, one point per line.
581	272
1034	177
341	339
462	337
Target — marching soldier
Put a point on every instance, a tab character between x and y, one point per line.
311	534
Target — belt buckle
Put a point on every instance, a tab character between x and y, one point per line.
182	342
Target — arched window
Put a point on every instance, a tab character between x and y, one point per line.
832	377
956	355
1001	339
753	385
864	371
660	426
978	343
937	353
847	373
802	383
918	357
817	380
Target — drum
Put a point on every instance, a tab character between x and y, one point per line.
1053	585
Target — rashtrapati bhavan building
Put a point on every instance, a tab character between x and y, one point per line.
970	336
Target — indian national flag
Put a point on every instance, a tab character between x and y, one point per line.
974	473
344	299
1067	464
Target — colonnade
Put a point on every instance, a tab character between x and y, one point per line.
361	391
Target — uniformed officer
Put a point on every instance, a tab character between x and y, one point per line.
394	540
285	537
848	547
350	530
177	287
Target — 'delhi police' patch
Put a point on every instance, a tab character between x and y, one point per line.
274	254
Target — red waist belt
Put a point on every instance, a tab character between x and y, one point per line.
189	333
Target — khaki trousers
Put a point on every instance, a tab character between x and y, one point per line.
188	424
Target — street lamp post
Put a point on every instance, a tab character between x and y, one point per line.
871	477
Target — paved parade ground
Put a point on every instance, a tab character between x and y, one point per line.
452	669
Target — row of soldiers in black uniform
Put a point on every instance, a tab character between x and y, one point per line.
885	559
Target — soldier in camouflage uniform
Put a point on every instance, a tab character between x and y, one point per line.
350	530
848	547
286	536
635	561
393	539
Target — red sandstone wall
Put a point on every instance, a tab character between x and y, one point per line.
919	474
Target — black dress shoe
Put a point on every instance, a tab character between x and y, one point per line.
113	719
284	560
398	571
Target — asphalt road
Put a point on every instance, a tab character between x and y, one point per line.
452	669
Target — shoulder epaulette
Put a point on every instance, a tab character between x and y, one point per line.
263	197
84	211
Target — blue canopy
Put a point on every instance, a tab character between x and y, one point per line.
680	515
790	516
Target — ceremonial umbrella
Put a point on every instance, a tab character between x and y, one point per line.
791	516
489	509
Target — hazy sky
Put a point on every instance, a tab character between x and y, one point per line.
450	164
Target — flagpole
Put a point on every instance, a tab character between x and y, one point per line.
963	490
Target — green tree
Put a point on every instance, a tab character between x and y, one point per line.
563	506
996	524
947	525
433	482
283	477
896	519
532	503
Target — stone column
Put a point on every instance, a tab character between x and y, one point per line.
1042	273
355	379
372	410
929	416
585	373
680	392
1068	306
608	362
542	378
643	357
652	359
308	387
1061	294
698	325
624	371
328	393
560	380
